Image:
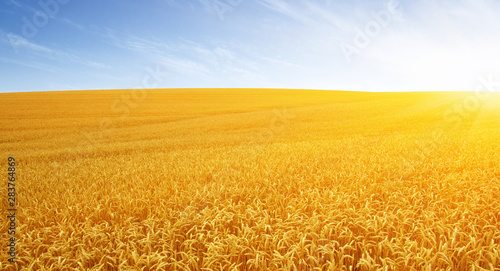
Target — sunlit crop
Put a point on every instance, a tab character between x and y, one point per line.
252	180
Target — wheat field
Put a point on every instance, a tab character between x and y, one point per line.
246	179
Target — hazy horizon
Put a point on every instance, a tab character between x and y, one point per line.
243	88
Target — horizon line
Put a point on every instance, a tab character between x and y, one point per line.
235	88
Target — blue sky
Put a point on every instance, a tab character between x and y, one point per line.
316	44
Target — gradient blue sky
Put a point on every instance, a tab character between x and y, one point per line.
316	44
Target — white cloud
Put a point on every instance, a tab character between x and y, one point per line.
72	23
183	66
15	3
19	43
30	64
287	9
214	60
94	64
23	47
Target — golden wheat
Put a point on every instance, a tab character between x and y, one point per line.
244	179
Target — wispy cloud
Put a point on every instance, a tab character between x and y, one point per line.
26	47
183	66
314	14
172	3
279	62
72	23
286	8
144	46
31	64
187	57
7	11
94	64
15	3
325	15
19	43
